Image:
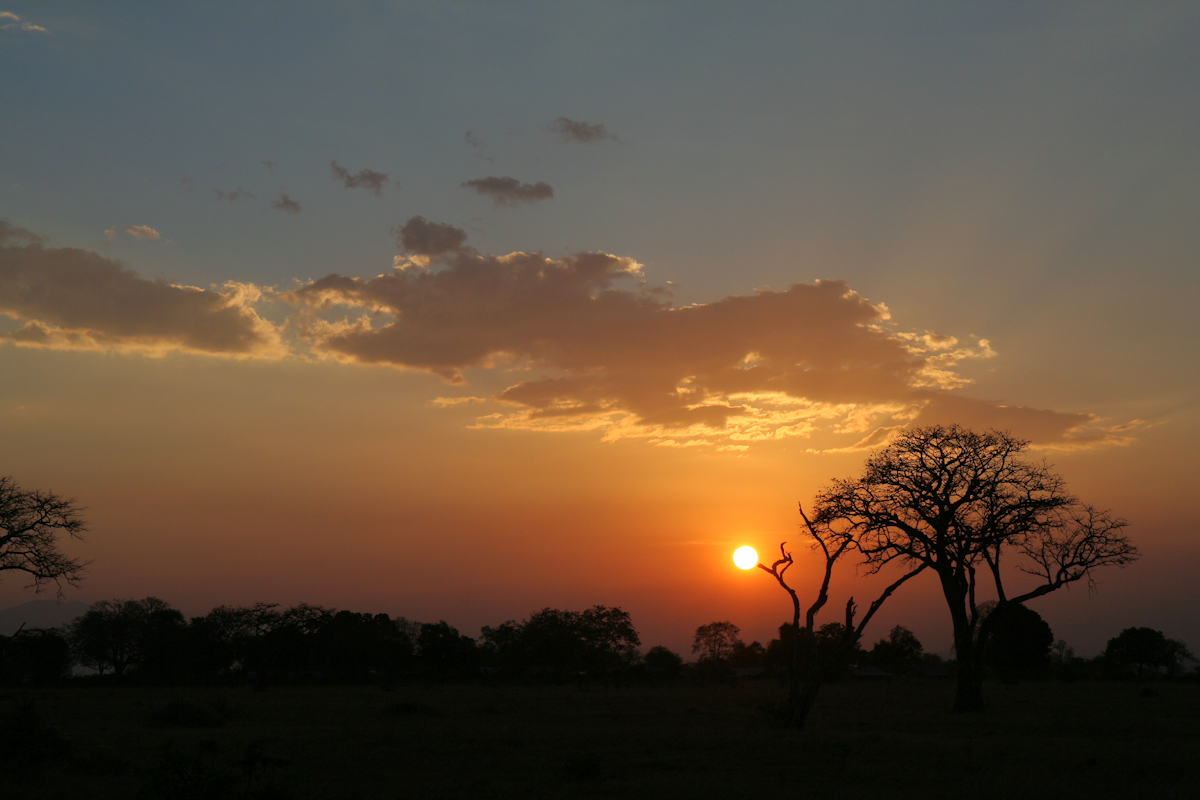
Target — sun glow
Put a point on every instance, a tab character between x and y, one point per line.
745	557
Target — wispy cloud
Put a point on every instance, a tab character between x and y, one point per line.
136	231
507	191
236	194
12	232
285	203
364	178
569	130
10	21
478	146
69	298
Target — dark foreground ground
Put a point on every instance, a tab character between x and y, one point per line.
864	740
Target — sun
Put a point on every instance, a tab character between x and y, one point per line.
746	557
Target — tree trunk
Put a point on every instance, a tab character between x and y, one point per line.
968	696
801	702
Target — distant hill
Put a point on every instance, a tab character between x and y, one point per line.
40	614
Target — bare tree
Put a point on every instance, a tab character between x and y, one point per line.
962	503
805	678
31	523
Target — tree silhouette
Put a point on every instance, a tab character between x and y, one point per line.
899	653
1019	642
1145	648
805	675
31	522
120	634
660	660
962	504
553	642
716	641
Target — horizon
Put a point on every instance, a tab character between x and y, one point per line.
459	311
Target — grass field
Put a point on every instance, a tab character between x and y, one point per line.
864	740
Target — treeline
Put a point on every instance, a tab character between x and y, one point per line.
1020	646
148	640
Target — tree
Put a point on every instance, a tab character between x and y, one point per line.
557	642
34	656
445	652
660	660
899	653
817	652
31	523
716	641
1019	642
1145	648
120	634
962	504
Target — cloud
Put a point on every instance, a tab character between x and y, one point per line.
136	231
571	131
9	20
509	191
236	194
368	178
76	299
420	237
9	231
593	346
1055	430
285	203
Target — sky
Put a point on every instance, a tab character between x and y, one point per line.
459	310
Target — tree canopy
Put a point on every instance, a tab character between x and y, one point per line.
31	523
1142	649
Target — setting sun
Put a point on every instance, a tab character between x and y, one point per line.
745	557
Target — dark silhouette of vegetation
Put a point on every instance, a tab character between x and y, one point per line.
805	675
1143	650
445	653
899	654
119	634
554	644
716	641
661	661
34	656
1019	643
31	523
964	505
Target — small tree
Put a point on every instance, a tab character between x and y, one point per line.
663	661
120	634
31	523
805	675
716	641
899	653
1019	642
1145	648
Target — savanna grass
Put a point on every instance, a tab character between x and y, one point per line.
891	739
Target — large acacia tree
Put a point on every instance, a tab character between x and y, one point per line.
964	505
